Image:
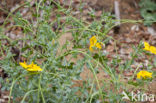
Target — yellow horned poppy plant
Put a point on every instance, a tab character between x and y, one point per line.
31	67
144	74
93	43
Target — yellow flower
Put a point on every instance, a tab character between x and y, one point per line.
93	43
147	46
31	67
98	45
144	74
153	49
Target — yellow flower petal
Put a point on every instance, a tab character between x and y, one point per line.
147	46
144	74
23	64
98	45
31	67
93	40
91	48
153	49
34	69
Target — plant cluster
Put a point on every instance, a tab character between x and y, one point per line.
51	77
148	11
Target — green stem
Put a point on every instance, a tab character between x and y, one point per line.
96	79
27	94
12	85
40	89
